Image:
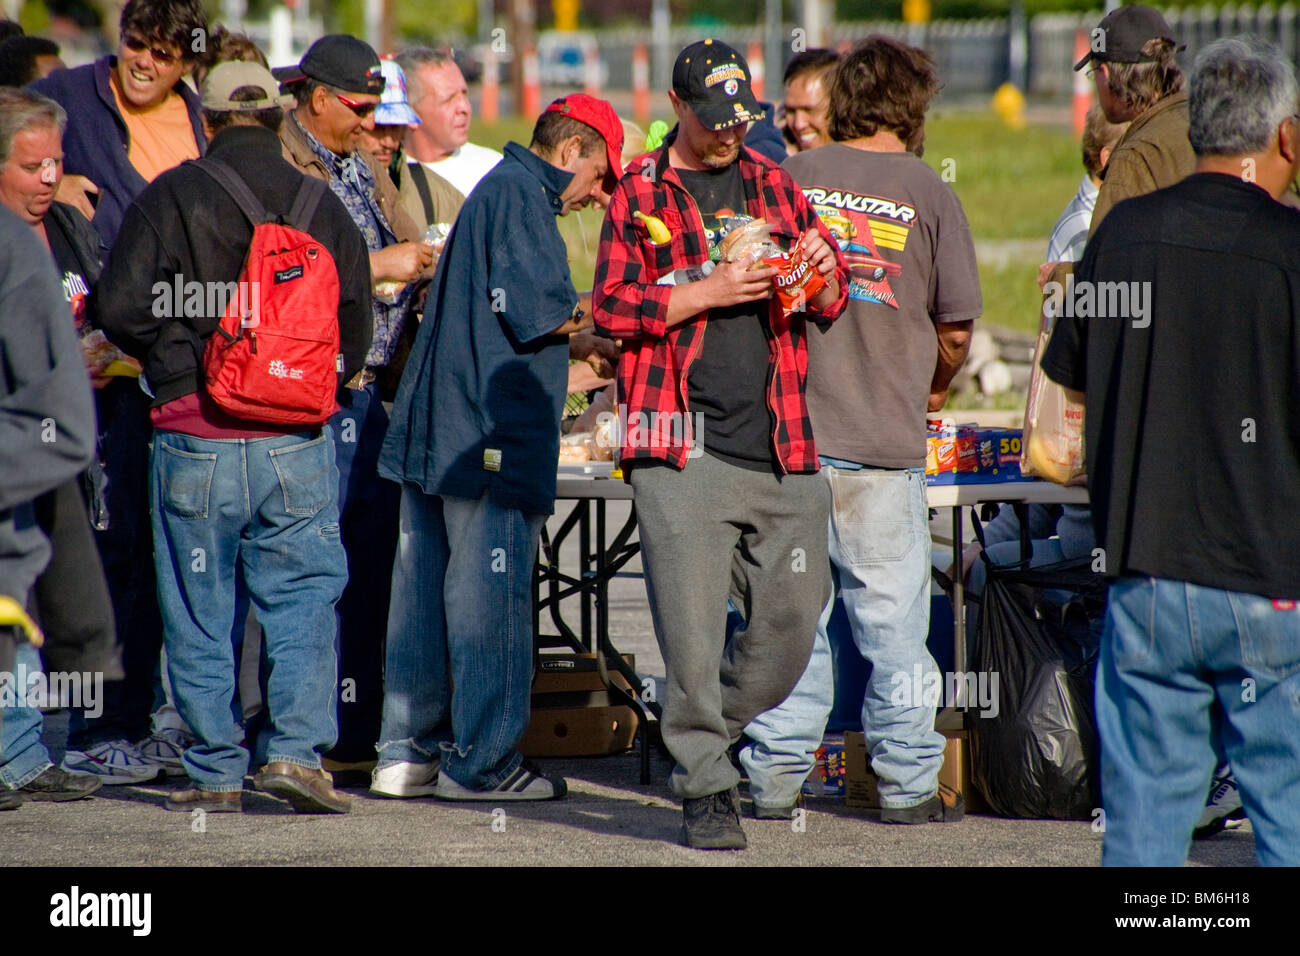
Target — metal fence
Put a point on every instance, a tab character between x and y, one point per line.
973	56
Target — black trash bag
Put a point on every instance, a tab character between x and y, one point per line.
1038	756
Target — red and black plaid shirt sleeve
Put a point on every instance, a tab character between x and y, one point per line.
626	302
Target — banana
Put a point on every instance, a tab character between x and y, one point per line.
659	233
13	615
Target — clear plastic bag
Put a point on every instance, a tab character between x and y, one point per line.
1052	438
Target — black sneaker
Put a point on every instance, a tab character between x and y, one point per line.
58	785
11	799
713	822
946	806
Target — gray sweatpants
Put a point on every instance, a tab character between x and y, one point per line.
707	532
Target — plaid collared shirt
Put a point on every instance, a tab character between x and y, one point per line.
628	304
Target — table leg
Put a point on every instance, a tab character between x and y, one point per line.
958	603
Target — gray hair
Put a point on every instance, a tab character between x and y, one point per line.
1242	88
20	110
412	58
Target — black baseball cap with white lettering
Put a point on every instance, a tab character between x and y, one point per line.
1120	36
339	60
713	80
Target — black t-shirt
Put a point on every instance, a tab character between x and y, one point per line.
728	380
75	287
1191	430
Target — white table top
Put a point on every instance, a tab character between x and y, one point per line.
1030	492
592	480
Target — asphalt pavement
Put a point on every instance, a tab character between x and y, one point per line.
608	818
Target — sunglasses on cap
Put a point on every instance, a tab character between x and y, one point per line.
160	56
362	110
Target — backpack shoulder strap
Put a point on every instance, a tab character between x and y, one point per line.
310	193
233	184
422	187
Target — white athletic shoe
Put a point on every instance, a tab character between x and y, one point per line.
405	779
526	783
165	748
113	762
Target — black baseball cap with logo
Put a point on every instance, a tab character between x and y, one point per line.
342	61
1120	36
713	80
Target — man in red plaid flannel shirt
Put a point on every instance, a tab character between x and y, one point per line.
717	443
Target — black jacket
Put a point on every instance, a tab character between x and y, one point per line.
80	236
185	224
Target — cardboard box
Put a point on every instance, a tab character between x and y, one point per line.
827	777
860	789
573	712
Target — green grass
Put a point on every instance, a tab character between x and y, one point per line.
1011	296
1012	184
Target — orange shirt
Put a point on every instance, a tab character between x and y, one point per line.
158	138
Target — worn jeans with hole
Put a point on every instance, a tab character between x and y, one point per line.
1170	651
460	616
879	541
270	506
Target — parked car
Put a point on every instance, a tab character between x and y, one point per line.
562	58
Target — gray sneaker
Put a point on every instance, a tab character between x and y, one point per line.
713	822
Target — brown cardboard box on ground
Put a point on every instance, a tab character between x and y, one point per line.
574	714
860	785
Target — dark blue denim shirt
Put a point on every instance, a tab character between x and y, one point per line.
478	409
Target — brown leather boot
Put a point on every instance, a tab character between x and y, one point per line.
192	798
308	791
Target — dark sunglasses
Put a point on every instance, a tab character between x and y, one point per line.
361	109
161	57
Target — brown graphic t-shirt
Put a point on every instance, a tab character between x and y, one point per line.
911	263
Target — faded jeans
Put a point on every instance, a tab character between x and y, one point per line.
1186	673
268	506
460	616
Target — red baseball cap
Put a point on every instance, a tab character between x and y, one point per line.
600	116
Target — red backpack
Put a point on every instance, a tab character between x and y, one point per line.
274	356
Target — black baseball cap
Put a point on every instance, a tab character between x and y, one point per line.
340	60
713	80
1123	32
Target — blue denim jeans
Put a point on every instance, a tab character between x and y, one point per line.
268	507
23	757
368	523
460	616
879	542
1186	673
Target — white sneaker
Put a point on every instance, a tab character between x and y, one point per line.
526	783
1223	809
165	748
405	779
113	762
